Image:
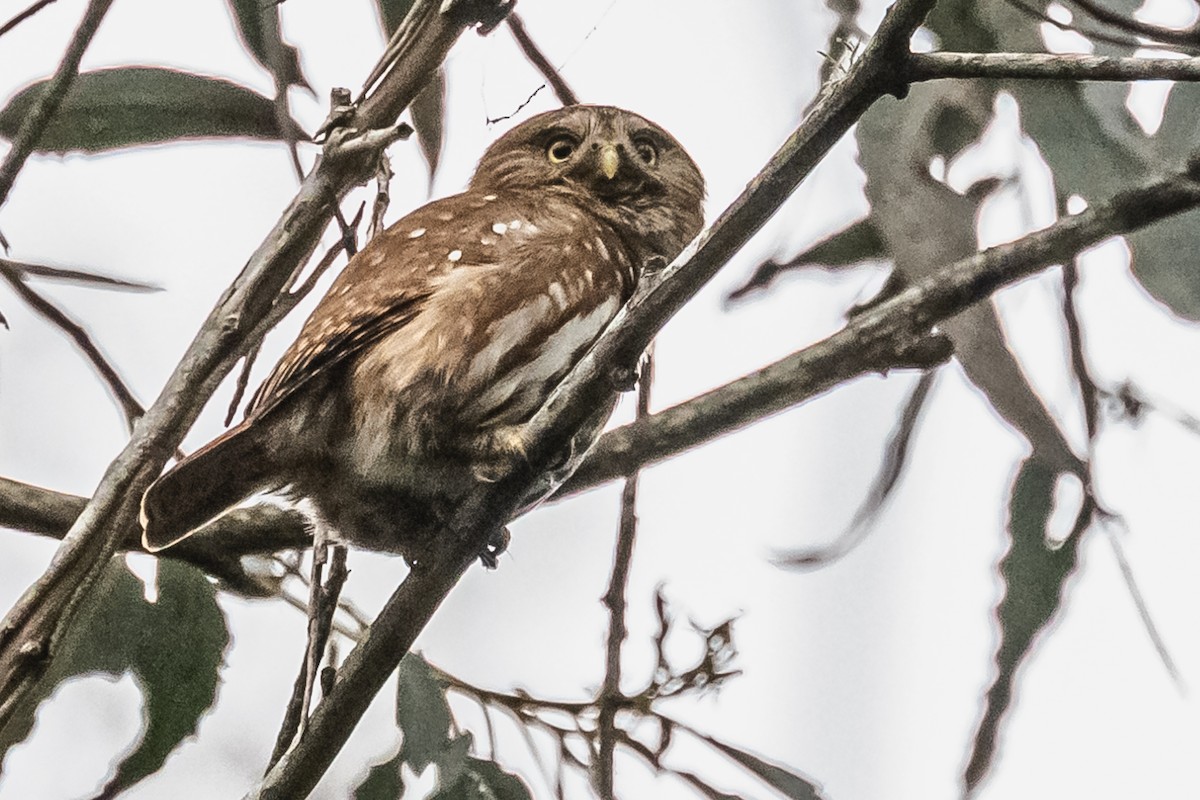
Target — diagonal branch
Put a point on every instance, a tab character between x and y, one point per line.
51	97
130	407
536	57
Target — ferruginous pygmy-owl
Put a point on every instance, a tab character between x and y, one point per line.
412	379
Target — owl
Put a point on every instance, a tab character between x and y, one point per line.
413	379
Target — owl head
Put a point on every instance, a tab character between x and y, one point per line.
615	164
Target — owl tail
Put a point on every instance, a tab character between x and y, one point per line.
206	484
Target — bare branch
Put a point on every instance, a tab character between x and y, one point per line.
69	275
536	57
1187	38
51	97
1049	66
805	374
21	16
128	404
610	696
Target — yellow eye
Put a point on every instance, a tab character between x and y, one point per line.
560	149
646	151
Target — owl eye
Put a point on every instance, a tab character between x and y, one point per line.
560	149
646	151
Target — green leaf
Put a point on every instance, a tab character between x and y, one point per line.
173	648
421	712
1034	575
482	780
904	198
428	111
854	244
383	782
1091	142
392	13
781	779
258	25
131	106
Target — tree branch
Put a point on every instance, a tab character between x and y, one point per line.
610	698
536	57
51	97
1049	66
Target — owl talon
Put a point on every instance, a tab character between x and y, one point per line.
496	544
623	378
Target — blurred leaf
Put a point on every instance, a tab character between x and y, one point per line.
130	106
1165	259
392	13
482	780
383	782
421	712
848	247
1034	575
258	26
173	648
782	780
926	225
1089	138
428	116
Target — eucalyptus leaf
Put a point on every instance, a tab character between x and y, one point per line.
258	25
428	111
483	780
1034	574
132	106
422	713
173	647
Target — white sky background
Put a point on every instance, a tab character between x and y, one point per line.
866	675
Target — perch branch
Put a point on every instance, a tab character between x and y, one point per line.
408	610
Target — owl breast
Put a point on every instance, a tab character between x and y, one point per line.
496	333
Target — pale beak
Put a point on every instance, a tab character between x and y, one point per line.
610	161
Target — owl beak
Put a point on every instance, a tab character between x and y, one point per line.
610	161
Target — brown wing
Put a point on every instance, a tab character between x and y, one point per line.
380	290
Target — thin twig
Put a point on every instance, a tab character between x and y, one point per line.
24	15
1188	38
614	600
890	469
51	97
1139	602
1039	14
1087	386
130	407
536	57
75	276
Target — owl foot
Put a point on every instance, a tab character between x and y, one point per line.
496	544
